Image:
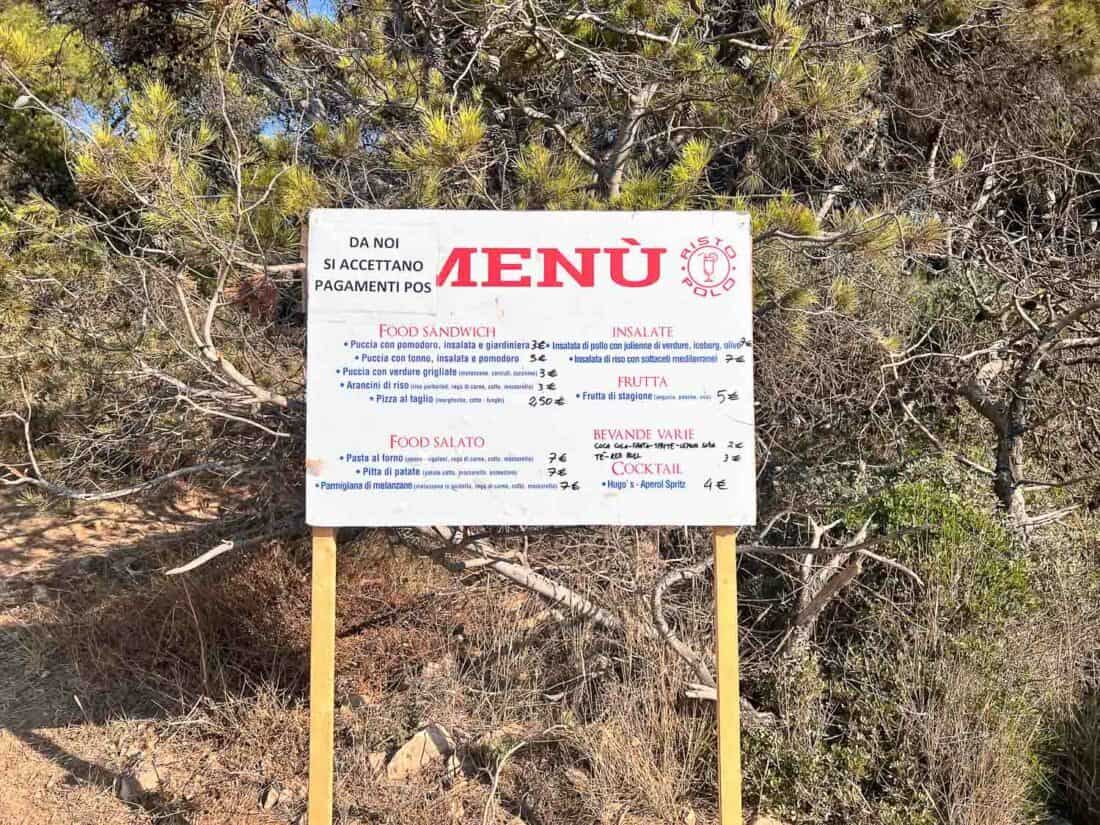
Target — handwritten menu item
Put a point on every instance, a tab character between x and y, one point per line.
529	368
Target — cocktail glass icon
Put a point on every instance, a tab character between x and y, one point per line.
710	264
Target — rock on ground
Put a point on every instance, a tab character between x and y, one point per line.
431	747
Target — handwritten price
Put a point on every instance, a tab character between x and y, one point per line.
727	395
545	401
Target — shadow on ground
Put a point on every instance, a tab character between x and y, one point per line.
94	638
92	631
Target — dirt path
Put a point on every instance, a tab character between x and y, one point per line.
67	788
127	696
68	754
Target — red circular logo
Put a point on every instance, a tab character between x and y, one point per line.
708	265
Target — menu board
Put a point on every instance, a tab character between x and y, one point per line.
541	368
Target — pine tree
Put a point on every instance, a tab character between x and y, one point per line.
922	184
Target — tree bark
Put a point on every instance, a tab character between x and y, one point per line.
612	172
1007	475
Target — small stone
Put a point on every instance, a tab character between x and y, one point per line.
40	593
431	747
269	797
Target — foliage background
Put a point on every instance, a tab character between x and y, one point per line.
923	183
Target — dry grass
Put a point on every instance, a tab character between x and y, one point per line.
1078	763
980	758
647	755
575	725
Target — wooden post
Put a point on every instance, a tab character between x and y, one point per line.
729	687
303	245
322	674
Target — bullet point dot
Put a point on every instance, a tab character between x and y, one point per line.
341	383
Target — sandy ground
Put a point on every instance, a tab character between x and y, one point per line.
64	760
128	696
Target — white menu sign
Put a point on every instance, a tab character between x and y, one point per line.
545	368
